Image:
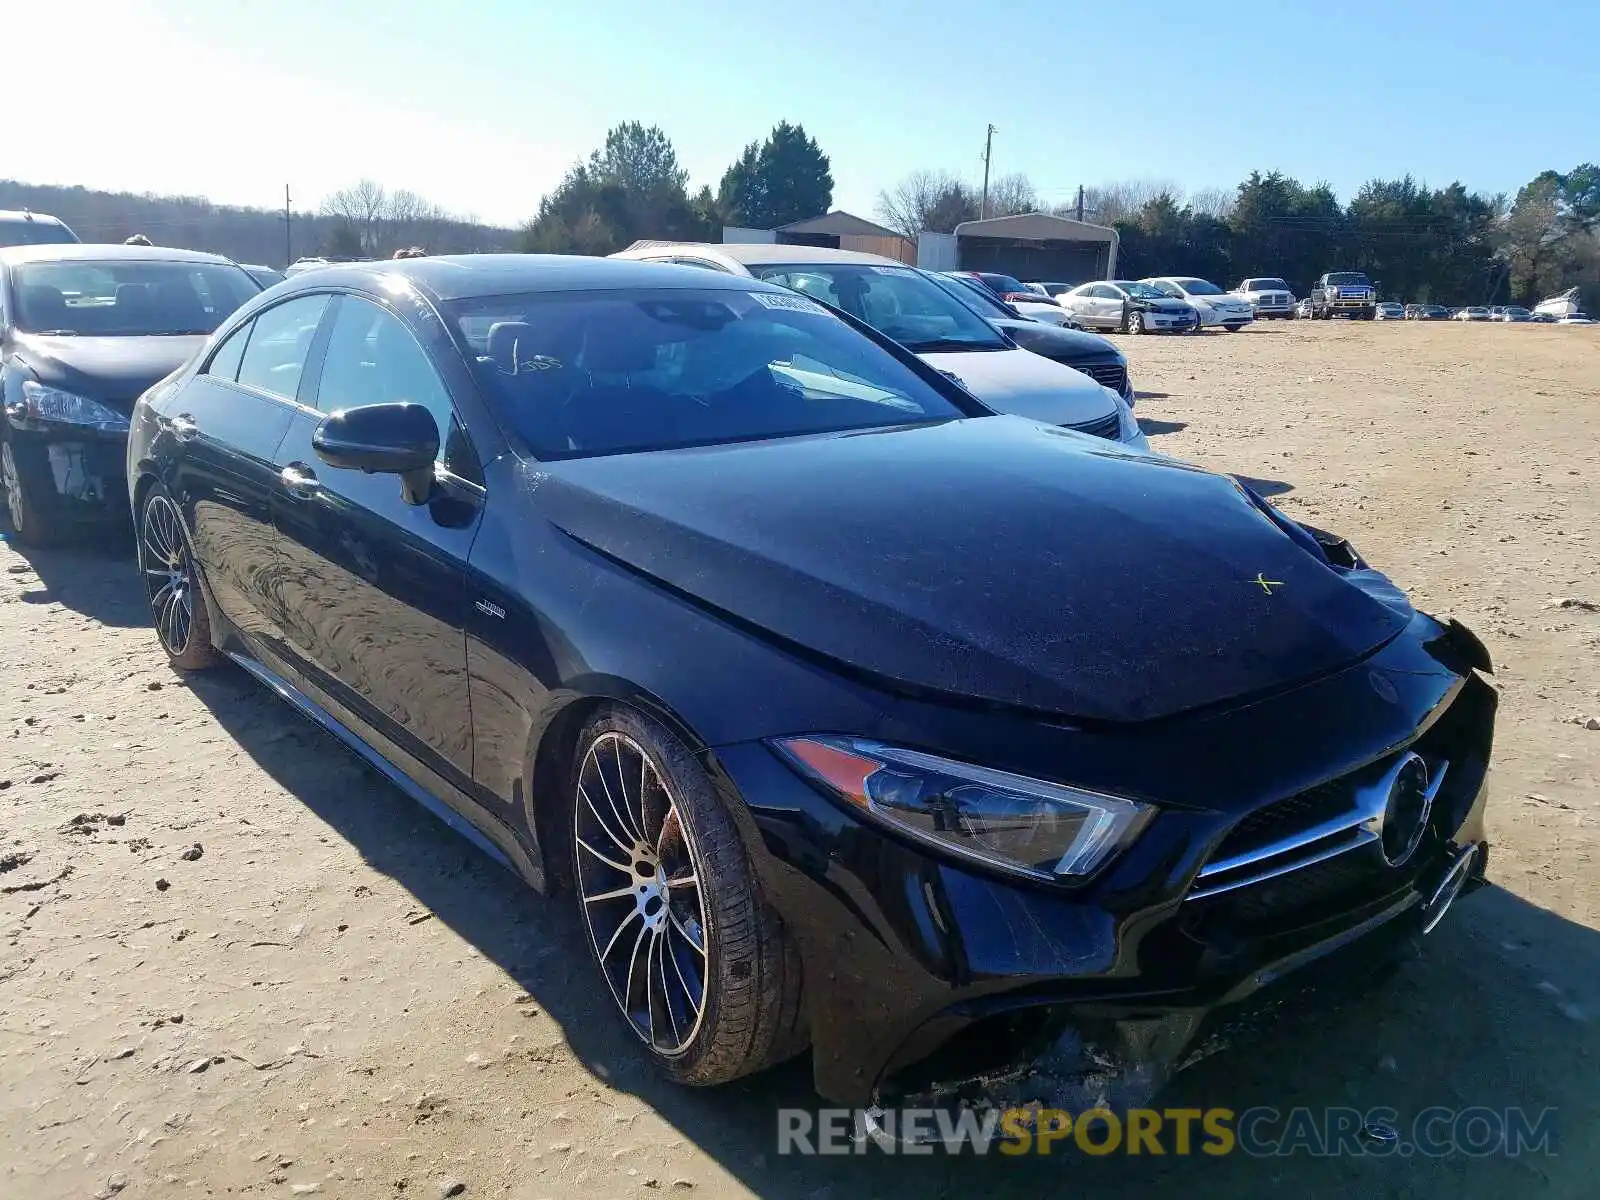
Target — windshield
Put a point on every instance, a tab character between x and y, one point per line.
1265	285
1140	291
1199	287
1347	278
34	233
1002	285
579	374
1055	289
898	302
1517	310
132	298
971	294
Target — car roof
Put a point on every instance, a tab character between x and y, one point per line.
23	214
468	276
764	254
110	252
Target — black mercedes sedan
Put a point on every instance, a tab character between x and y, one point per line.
83	330
852	714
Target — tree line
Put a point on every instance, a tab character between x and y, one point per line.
1422	244
364	219
1447	245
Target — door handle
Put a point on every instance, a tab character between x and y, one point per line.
299	480
183	427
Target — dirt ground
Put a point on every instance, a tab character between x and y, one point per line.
233	960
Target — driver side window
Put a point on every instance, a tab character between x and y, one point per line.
372	358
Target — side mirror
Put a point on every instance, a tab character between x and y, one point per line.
389	439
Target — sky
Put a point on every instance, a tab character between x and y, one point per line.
482	105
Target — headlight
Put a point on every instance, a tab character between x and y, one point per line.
1026	826
41	403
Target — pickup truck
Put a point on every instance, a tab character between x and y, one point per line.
1348	292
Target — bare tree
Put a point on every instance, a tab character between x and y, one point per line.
1012	194
362	206
927	200
1212	201
1121	200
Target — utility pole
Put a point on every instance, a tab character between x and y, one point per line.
988	149
1080	202
288	229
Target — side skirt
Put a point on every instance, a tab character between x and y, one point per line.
494	840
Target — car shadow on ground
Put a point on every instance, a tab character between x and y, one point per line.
1152	395
1154	426
94	574
1500	1010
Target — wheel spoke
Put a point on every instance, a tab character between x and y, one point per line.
696	1001
626	847
617	933
627	991
610	862
660	947
641	826
617	894
696	943
620	814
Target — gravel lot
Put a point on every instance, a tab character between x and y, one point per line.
235	961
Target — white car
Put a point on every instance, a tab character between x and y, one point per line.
1576	318
901	303
1027	299
1126	306
1215	306
1268	296
1390	311
1513	314
1477	312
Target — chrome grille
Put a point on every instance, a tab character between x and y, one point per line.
1104	427
1305	830
1113	375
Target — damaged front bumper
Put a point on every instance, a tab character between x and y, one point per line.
74	474
929	984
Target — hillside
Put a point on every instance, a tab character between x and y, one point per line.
252	235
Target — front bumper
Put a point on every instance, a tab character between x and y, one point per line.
926	977
1211	318
73	473
1155	319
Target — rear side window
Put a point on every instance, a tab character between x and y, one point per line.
275	357
225	362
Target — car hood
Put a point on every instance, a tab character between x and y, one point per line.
988	559
1026	385
1056	341
113	370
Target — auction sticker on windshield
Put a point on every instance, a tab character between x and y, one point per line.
790	302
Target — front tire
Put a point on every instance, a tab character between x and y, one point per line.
699	966
1133	321
172	583
33	524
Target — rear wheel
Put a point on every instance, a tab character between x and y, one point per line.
699	966
34	525
172	582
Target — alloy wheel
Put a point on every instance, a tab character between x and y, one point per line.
12	482
168	573
638	874
1135	321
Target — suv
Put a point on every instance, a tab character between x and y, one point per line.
1348	292
33	229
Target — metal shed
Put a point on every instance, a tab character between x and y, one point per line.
1027	246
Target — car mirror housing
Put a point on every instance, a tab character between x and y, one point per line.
390	439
